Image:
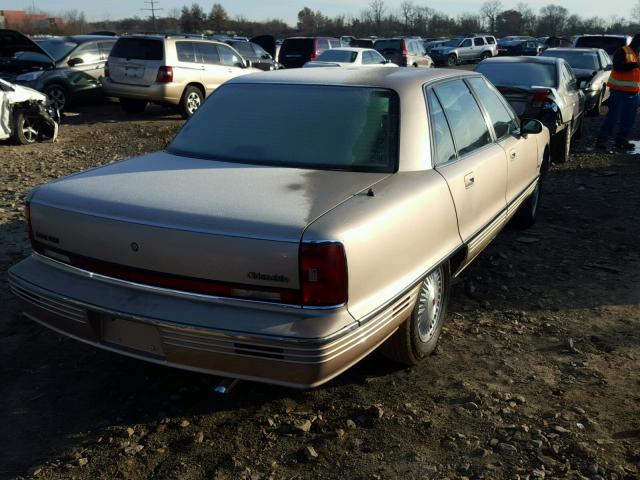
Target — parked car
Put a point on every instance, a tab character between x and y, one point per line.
543	88
289	254
592	67
26	116
520	46
63	68
557	42
465	49
255	54
173	70
609	43
404	52
429	44
347	57
346	40
297	51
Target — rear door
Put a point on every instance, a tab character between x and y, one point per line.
85	74
190	67
522	153
136	60
478	47
213	73
474	167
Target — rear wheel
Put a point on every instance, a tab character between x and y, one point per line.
452	61
132	105
485	55
191	100
561	145
26	128
418	336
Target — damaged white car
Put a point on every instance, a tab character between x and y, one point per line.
25	115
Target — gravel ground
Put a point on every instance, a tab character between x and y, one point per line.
536	375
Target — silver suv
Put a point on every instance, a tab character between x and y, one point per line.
173	70
465	49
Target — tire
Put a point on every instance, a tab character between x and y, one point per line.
132	105
191	100
597	110
418	336
527	214
26	129
58	96
485	55
452	61
561	145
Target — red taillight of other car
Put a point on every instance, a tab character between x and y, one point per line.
540	97
323	274
165	75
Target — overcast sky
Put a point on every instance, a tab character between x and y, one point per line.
288	9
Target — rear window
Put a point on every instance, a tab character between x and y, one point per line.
584	60
298	45
305	126
609	44
519	74
138	49
337	56
388	45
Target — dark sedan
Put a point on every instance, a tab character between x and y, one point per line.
519	46
61	67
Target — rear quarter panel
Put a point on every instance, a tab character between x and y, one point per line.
393	238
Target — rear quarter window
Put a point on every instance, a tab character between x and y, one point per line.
138	49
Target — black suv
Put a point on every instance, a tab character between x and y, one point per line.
61	67
297	51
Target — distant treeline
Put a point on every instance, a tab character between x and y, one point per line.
378	19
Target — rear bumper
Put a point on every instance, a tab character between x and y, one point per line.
170	93
269	343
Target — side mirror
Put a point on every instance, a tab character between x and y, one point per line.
531	126
75	61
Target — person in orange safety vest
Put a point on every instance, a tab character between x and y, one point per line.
624	85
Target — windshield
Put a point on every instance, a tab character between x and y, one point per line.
343	56
454	42
519	74
57	49
584	60
305	126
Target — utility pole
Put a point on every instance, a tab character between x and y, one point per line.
153	8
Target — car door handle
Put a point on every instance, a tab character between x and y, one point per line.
513	155
469	180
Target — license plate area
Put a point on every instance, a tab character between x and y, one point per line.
131	335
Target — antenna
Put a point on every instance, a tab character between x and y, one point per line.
153	8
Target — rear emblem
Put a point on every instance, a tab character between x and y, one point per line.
134	246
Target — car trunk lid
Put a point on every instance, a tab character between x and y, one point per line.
191	218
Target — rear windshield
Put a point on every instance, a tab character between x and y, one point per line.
519	74
298	45
381	45
362	43
306	126
343	56
138	49
609	44
585	60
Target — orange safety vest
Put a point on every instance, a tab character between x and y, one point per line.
626	81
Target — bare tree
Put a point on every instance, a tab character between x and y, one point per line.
407	12
490	10
635	12
377	9
528	18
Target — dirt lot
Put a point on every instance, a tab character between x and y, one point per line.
536	375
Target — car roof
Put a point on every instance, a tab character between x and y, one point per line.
352	49
88	38
569	50
545	60
381	77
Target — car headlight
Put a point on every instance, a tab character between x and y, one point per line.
29	77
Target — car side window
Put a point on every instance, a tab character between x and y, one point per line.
605	60
208	53
469	128
478	41
441	136
88	52
186	52
490	40
228	57
503	123
335	43
377	58
466	43
322	44
105	48
569	77
367	58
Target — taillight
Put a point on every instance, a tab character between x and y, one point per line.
165	75
540	97
405	52
27	217
107	74
323	274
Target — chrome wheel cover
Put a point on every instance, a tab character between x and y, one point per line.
193	102
430	303
30	129
57	98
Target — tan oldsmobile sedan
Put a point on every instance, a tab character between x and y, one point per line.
298	221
